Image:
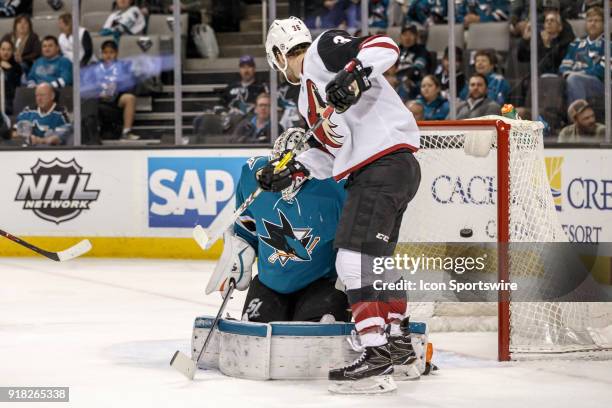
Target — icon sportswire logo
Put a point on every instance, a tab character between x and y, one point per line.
56	191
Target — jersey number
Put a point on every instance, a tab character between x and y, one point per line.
341	40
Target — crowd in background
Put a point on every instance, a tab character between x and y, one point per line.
570	68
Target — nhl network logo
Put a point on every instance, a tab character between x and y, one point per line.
56	191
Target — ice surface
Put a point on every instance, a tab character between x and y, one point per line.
108	328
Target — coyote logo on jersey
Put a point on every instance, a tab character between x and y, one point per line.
325	133
289	244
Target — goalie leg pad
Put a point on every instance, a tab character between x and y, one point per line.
284	350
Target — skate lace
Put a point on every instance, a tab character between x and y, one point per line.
357	361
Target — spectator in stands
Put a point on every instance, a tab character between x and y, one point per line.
427	12
241	94
398	84
584	64
329	15
353	15
442	72
417	109
12	74
288	95
52	67
111	81
584	127
413	59
26	42
552	47
482	11
498	87
48	124
377	12
256	128
193	8
65	40
435	105
127	19
478	103
519	16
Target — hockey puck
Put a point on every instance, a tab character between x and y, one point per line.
466	232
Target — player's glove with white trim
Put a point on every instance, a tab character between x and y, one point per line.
236	262
268	180
347	86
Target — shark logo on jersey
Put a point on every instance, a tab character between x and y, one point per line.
251	162
324	134
289	244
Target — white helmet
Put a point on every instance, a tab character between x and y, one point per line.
283	35
287	141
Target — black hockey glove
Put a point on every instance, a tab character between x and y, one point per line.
347	86
276	182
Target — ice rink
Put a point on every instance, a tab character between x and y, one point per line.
108	328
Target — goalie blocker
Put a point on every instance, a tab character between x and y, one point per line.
286	350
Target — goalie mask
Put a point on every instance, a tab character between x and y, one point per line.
283	36
285	142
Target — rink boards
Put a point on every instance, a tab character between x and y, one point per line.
144	203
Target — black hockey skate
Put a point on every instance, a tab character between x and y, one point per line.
371	373
403	355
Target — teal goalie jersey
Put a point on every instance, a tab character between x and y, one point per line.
294	240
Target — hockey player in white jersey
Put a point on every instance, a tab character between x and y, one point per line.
369	139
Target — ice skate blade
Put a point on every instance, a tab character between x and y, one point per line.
373	385
408	372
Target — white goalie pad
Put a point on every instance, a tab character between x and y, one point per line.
283	350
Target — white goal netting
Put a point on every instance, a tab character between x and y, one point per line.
458	191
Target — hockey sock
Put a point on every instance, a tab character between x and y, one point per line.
397	310
394	328
373	339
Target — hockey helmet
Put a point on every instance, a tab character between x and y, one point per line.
283	35
287	141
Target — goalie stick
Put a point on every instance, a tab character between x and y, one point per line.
61	256
182	362
206	238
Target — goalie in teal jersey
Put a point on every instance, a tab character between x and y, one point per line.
291	234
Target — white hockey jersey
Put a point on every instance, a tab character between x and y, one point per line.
375	126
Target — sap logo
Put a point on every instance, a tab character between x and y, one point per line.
478	190
554	166
584	193
184	192
582	233
190	195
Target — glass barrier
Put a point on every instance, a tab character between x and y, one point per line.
212	84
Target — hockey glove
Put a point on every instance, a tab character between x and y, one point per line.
236	262
294	172
347	86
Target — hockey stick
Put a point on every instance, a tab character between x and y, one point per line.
206	238
182	362
61	256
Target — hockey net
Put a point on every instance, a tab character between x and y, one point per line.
504	196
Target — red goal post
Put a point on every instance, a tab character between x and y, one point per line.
462	162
